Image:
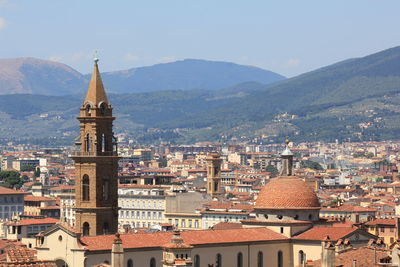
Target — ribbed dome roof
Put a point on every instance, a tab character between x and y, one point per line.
287	192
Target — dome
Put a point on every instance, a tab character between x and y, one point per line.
288	192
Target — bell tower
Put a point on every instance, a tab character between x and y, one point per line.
96	163
214	162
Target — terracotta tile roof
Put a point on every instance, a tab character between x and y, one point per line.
365	257
287	192
382	222
21	254
35	198
34	221
8	191
227	225
349	208
36	263
200	237
319	233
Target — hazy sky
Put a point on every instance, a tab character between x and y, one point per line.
288	37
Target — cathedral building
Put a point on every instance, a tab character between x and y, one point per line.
286	232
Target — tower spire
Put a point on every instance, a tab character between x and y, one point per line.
96	93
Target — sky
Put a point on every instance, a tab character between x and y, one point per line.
287	37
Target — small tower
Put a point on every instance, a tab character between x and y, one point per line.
96	163
117	252
214	163
287	160
176	252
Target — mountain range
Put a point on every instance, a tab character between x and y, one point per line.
36	76
355	100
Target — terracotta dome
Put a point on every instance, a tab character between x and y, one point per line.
287	192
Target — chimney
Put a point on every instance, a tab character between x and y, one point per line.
117	252
328	253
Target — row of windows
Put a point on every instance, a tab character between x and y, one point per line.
141	215
183	223
137	224
142	204
11	199
152	263
239	260
225	218
11	208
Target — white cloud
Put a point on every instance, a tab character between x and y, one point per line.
130	57
3	23
167	59
292	63
55	58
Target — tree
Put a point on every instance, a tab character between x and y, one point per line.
11	179
311	164
37	172
272	169
163	162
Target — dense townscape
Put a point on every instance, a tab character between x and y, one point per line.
108	201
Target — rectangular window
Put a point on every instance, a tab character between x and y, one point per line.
382	229
176	223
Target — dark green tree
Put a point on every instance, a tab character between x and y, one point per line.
311	164
11	179
272	169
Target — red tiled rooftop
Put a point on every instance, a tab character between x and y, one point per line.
35	198
287	192
382	222
364	256
34	221
319	233
200	237
8	191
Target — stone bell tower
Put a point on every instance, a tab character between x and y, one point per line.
96	163
214	162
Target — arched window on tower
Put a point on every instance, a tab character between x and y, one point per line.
129	263
152	262
103	143
280	258
85	188
218	260
102	108
85	228
240	259
215	186
88	110
105	189
197	261
260	259
302	258
105	228
87	142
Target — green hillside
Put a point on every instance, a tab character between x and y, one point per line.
352	100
